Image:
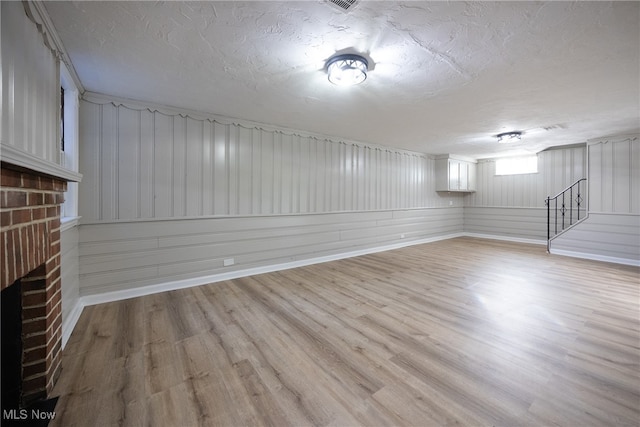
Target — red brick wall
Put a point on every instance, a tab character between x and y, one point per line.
30	239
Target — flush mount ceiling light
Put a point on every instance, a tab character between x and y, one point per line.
347	70
507	137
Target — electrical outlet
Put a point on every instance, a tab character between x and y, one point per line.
228	262
402	236
450	202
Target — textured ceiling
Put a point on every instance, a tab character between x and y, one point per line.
444	76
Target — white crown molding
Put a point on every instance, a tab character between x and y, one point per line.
136	105
37	13
613	138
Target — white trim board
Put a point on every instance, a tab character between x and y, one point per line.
595	257
505	238
70	322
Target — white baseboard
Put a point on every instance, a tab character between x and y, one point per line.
572	254
203	280
506	238
70	322
595	257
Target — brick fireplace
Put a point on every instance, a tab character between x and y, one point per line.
30	205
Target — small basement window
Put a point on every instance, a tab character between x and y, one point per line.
517	165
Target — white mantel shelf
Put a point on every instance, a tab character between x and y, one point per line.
23	159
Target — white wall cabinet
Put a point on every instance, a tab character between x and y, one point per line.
454	174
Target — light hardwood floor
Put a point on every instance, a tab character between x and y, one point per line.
458	332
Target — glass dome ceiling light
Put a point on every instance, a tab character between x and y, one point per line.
347	70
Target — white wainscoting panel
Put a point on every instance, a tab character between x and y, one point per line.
127	255
603	236
528	224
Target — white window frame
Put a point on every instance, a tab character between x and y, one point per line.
520	165
69	158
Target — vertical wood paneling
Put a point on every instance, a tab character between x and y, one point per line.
89	160
611	230
557	169
305	187
148	164
162	165
334	172
108	168
146	171
321	176
634	188
277	173
193	167
30	86
245	171
347	194
207	167
295	175
606	177
221	169
128	143
256	171
614	176
286	173
267	172
233	169
622	173
595	184
179	165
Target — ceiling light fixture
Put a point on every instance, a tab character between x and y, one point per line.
347	70
506	137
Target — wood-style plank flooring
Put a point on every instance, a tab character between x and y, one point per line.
458	332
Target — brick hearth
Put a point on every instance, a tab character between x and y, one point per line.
30	238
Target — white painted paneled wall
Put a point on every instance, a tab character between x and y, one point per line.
612	230
557	169
512	206
520	224
165	254
30	87
138	163
69	272
167	196
614	176
30	126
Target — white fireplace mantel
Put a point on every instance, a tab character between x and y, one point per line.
18	157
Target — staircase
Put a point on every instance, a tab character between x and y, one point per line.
566	209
